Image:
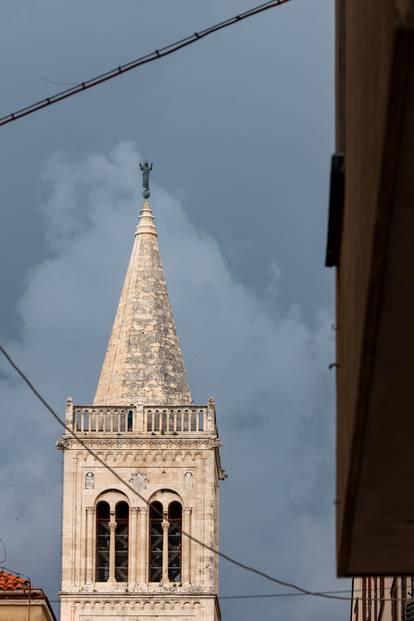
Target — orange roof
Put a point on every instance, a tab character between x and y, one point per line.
11	582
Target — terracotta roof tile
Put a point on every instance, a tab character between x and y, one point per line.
11	582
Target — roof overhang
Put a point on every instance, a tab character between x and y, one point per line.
375	288
22	603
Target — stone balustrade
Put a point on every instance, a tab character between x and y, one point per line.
102	419
175	419
146	420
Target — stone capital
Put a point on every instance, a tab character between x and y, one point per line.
62	444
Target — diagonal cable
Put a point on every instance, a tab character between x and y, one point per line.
138	62
222	555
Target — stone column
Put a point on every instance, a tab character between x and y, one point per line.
132	545
186	544
84	531
90	523
69	413
211	415
75	575
112	528
143	545
165	527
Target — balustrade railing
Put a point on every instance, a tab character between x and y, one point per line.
174	420
147	420
103	419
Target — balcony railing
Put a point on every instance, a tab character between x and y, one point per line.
103	419
174	420
146	420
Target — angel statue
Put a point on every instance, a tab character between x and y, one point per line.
146	168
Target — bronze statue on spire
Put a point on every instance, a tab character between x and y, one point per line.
146	168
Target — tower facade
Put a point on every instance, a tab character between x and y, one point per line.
137	537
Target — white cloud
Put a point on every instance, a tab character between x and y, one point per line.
266	369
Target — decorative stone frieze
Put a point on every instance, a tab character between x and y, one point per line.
139	480
89	480
188	480
137	604
130	443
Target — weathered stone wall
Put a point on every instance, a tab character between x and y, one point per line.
144	363
156	467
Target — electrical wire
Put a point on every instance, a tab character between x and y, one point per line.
57	82
288	595
273	595
216	552
143	60
3	560
256	596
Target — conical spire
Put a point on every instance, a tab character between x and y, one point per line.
144	363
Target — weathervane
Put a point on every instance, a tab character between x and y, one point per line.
146	168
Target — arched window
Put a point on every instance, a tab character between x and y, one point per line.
121	541
129	420
174	541
155	564
102	541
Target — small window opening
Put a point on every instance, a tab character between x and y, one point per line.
102	541
156	517
121	541
130	414
174	542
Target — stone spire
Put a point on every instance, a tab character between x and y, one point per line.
144	363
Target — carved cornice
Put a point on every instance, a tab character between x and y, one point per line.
139	591
126	603
141	444
135	458
62	443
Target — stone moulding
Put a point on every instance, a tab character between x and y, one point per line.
161	444
148	457
140	591
147	602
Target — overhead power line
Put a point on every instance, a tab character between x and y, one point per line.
370	600
216	552
4	559
138	62
256	596
286	595
273	595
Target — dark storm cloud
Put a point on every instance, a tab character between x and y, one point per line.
241	130
242	124
268	370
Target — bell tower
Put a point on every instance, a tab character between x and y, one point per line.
133	538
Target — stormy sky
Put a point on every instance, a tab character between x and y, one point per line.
240	129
